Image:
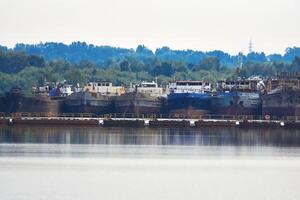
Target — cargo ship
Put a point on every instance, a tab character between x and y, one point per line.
283	96
10	101
96	98
142	98
189	98
45	99
238	97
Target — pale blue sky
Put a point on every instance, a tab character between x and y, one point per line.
227	25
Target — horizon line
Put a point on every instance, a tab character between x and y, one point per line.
12	46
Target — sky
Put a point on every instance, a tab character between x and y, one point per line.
228	25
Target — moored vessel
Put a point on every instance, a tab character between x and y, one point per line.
96	98
48	98
189	98
283	96
237	97
143	98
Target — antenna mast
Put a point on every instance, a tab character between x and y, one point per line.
250	46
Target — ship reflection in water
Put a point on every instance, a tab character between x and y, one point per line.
75	163
213	138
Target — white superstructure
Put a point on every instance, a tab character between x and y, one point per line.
189	87
242	85
66	90
150	88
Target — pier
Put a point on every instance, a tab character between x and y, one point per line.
141	120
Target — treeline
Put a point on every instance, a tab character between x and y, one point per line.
20	69
24	70
270	69
80	51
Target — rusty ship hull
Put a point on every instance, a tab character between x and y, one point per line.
236	103
136	103
87	102
40	103
282	101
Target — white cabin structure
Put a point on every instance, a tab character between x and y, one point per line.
149	88
190	87
66	90
240	85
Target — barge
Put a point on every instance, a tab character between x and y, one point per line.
239	97
189	98
143	98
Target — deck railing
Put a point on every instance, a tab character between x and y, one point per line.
151	116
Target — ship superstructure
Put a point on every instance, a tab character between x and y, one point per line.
96	97
104	88
48	98
189	98
283	96
238	97
142	98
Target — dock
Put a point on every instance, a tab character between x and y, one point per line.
134	120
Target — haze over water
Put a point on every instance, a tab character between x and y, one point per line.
59	163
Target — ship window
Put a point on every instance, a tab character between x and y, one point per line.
206	84
195	83
148	85
182	83
241	103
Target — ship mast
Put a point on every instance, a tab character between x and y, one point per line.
239	65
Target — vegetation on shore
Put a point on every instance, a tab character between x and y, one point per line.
25	66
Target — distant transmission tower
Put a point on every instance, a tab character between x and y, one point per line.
250	46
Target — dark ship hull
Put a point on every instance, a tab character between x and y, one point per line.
137	103
282	102
236	103
40	103
87	102
189	104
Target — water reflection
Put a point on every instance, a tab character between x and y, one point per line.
152	136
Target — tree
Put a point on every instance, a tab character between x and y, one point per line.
125	66
180	67
35	60
164	69
210	63
143	51
295	66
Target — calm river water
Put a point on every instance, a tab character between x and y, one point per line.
82	163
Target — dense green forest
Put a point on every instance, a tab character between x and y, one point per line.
79	51
28	65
